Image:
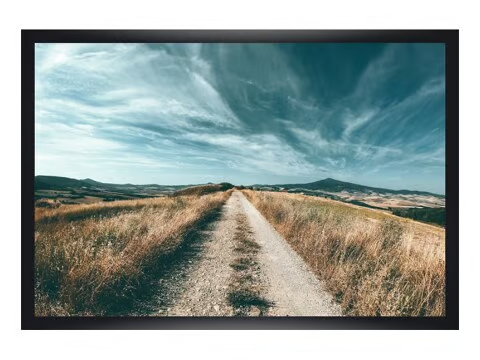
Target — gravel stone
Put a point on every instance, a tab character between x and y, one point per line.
291	288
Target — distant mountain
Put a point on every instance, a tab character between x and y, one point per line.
332	185
43	182
91	182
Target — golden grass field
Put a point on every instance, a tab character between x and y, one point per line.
375	264
95	259
92	259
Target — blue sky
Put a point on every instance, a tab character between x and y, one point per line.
245	113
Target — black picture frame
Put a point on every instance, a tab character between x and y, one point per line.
448	37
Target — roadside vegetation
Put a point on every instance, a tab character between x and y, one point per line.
95	259
203	189
245	285
428	215
375	264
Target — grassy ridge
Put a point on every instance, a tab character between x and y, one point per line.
203	189
364	257
76	212
94	259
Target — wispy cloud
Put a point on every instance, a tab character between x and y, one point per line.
246	113
353	122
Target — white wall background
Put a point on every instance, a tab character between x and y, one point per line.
245	14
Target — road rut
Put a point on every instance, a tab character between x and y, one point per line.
287	284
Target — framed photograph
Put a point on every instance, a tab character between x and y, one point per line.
210	179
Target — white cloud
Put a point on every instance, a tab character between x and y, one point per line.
353	122
254	153
132	78
377	72
133	106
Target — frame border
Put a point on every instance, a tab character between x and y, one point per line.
449	37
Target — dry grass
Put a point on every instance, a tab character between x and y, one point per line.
245	289
203	189
371	261
94	259
47	203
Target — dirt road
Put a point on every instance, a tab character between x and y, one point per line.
244	267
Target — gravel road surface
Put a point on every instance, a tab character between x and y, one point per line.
293	288
201	286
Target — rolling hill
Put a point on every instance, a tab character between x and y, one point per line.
73	191
44	182
332	185
420	205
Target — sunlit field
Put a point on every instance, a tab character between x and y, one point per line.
95	259
375	264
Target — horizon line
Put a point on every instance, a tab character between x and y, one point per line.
253	184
